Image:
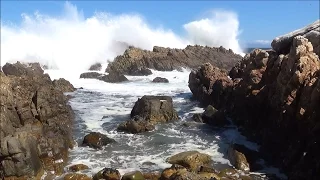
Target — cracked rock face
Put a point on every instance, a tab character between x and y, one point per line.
35	121
276	99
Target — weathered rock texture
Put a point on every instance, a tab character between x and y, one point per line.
35	122
283	43
113	77
166	59
276	99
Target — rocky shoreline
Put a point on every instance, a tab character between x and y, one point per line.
272	95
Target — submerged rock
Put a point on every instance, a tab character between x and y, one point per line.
96	140
136	125
78	167
192	160
160	80
107	174
155	109
135	175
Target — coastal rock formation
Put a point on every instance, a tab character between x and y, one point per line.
155	109
166	59
107	173
135	175
283	43
275	98
136	125
36	122
160	80
63	85
96	140
110	78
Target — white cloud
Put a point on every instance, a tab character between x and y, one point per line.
73	41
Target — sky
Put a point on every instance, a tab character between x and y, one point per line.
100	28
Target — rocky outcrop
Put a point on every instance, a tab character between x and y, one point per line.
96	140
36	122
191	160
155	109
95	67
160	80
283	43
110	78
276	99
139	71
63	85
135	175
78	167
166	59
238	160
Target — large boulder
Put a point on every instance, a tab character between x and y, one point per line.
96	140
275	98
155	109
282	44
238	159
192	160
135	175
35	123
166	59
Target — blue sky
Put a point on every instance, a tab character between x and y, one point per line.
259	20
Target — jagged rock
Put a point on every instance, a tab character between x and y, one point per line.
78	167
107	173
135	175
139	71
168	172
283	43
238	160
96	140
95	67
136	125
160	80
35	123
63	85
192	160
197	118
209	84
155	109
166	59
275	98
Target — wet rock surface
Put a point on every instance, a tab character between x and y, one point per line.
166	59
160	80
110	78
275	98
96	140
35	122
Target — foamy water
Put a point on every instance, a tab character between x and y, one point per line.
101	107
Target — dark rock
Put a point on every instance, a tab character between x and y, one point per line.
19	69
63	85
95	67
78	167
136	125
160	80
139	71
107	174
91	75
96	140
113	78
197	118
166	59
135	175
155	109
214	117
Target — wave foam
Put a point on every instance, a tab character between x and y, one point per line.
72	41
